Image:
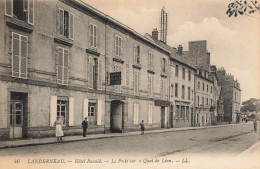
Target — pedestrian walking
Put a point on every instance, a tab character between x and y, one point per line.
59	132
85	126
255	125
142	127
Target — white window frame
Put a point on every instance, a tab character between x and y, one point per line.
136	84
63	80
20	67
118	47
12	8
150	60
91	35
136	56
118	68
28	1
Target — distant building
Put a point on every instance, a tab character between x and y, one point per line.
231	94
199	57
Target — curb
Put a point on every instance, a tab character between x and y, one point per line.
111	136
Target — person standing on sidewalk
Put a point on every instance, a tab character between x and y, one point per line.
85	126
255	125
142	127
59	132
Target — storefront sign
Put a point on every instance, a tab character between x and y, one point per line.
114	97
115	78
162	103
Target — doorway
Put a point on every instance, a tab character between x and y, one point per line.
162	117
171	116
117	116
18	116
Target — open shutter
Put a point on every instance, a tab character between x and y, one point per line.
71	111
134	54
31	12
120	47
95	36
60	66
15	51
115	43
53	110
71	28
100	74
61	22
100	111
9	7
90	77
85	108
65	66
24	52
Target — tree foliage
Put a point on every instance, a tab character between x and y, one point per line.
240	7
250	105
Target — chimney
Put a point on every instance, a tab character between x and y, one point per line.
155	33
180	49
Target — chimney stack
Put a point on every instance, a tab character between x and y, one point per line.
180	49
155	33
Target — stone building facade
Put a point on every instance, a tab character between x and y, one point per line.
231	96
181	86
59	65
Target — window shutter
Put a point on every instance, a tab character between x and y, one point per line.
61	22
85	108
115	43
24	52
120	47
9	7
15	53
71	24
60	66
90	79
31	12
53	110
90	37
135	53
100	74
71	111
100	111
65	66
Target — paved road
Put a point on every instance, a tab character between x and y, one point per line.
232	139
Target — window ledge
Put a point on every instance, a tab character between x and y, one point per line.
63	41
137	66
118	60
163	75
92	51
150	71
18	24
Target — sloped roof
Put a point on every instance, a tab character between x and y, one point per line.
174	53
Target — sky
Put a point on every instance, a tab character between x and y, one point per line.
234	43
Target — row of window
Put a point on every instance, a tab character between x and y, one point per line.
203	103
204	87
149	113
183	112
183	73
190	92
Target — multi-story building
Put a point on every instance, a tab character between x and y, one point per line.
55	61
199	57
181	86
231	96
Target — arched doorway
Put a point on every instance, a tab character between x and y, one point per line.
117	116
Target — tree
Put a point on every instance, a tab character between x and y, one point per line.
240	7
248	105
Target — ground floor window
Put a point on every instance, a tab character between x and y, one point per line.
92	115
150	113
187	112
136	113
62	109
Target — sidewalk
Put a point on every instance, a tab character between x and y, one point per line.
53	140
